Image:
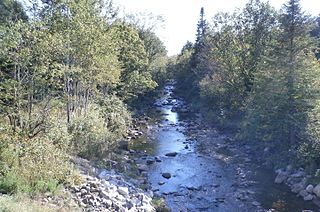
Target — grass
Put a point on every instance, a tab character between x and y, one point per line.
23	203
14	204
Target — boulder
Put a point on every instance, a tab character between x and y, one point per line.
303	193
281	177
166	175
316	190
142	167
171	154
309	197
124	191
150	161
296	188
298	174
309	188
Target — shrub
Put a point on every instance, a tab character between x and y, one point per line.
96	132
31	165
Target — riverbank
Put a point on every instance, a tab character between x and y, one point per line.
178	171
195	167
254	177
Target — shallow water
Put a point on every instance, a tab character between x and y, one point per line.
199	182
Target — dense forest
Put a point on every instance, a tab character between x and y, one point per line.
256	72
73	73
70	71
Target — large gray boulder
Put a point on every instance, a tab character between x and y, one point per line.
316	190
281	177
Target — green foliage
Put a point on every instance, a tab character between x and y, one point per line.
135	77
99	130
258	66
64	74
27	165
116	116
11	10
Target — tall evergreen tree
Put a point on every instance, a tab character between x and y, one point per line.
201	30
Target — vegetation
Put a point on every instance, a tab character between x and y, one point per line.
68	69
72	72
258	69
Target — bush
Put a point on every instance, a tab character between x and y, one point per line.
57	130
31	165
99	130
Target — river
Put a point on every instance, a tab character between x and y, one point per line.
200	181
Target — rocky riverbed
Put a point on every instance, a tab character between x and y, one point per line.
196	168
175	156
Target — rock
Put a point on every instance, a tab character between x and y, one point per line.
309	188
255	203
123	144
104	195
316	190
144	174
298	174
166	175
194	188
220	199
161	183
103	173
281	177
296	188
108	190
309	197
303	193
289	168
150	161
131	151
107	202
171	154
157	159
247	160
142	167
123	191
92	202
83	191
129	204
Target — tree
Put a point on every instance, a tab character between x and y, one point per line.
200	41
316	34
11	10
135	76
233	47
201	31
285	89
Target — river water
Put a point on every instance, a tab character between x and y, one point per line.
200	182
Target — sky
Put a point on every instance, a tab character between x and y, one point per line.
181	16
